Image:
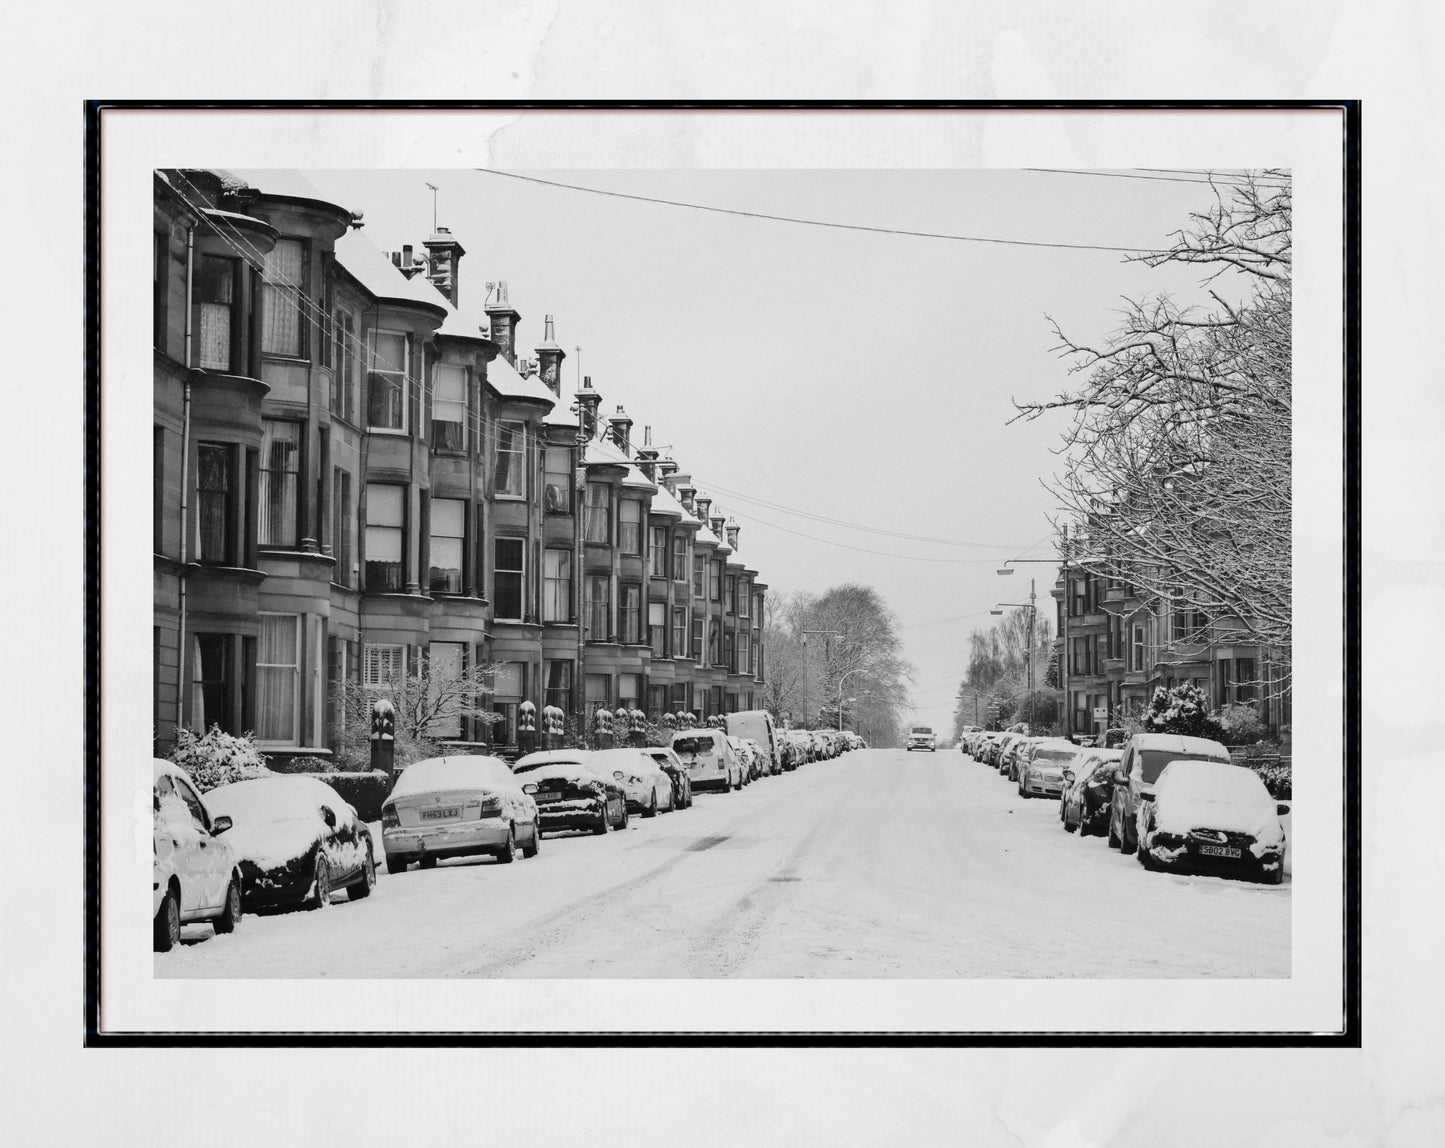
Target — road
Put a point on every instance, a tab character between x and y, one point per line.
879	863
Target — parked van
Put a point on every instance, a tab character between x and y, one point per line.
757	725
709	758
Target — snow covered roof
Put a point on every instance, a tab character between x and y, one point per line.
279	182
562	415
705	537
508	382
664	504
636	480
378	275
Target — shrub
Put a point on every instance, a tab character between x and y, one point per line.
217	758
1241	724
1276	775
1184	710
365	791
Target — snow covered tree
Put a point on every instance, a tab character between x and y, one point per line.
1181	709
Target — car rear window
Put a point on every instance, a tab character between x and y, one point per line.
694	745
1049	753
1153	761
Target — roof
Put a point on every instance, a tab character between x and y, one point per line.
508	382
562	415
705	537
664	504
604	452
636	480
378	275
277	182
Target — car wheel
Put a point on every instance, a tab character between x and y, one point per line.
508	852
651	810
1277	877
231	916
395	865
321	886
1069	826
535	847
604	822
428	862
168	924
1127	845
362	888
1113	837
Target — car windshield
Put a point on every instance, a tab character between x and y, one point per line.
922	729
525	766
1055	755
694	745
1153	761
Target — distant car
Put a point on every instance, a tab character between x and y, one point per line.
1145	756
1041	772
762	759
296	841
194	873
457	806
710	760
646	783
570	794
1212	817
757	725
1088	790
677	772
747	763
922	737
1009	759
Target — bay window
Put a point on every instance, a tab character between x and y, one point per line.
214	293
679	558
556	585
509	476
657	628
508	577
699	576
629	614
278	678
629	691
597	514
599	608
558	689
446	665
679	632
449	408
341	527
388	369
283	291
385	536
557	479
629	526
343	373
382	666
448	545
657	552
216	501
280	473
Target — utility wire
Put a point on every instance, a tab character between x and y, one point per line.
1154	178
815	222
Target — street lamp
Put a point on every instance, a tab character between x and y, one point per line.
1029	652
1063	564
841	680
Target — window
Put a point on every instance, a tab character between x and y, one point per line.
599	611
160	275
714	642
448	546
215	502
1079	597
599	691
341	527
282	294
744	598
1246	681
697	639
449	408
280	472
509	686
509	476
629	691
656	700
556	586
629	614
732	598
745	663
558	689
1136	662
158	487
657	552
557	479
214	292
1188	622
699	576
597	514
382	666
679	632
508	573
657	628
679	558
278	677
343	376
717	581
389	368
211	671
446	663
629	526
385	536
730	651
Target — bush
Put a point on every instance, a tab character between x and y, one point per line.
1241	724
1276	775
1184	710
365	791
217	758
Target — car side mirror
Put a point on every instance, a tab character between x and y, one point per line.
1281	810
1068	775
1120	777
220	825
328	817
617	774
530	787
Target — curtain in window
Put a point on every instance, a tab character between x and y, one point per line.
559	685
657	628
508	475
557	586
448	541
597	519
449	410
215	295
629	526
280	469
282	293
386	382
599	614
385	516
277	670
557	479
213	490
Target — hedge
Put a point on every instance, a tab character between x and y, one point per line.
366	791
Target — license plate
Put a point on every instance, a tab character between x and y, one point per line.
1219	851
439	814
552	795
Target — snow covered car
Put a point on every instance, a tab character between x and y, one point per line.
1088	790
747	766
677	772
193	871
1042	764
709	758
1212	817
922	737
457	807
569	793
760	761
1009	759
1145	756
757	726
296	840
648	788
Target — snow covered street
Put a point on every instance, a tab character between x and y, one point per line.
880	863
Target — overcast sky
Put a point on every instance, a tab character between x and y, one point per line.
861	377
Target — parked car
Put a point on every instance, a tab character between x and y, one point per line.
762	759
648	788
457	807
194	873
710	760
1041	766
1144	758
1212	817
922	737
569	793
296	841
1009	759
758	726
677	773
746	764
1088	790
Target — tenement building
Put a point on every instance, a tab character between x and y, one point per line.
355	478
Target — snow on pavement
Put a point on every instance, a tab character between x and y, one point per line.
876	864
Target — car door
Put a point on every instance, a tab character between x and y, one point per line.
208	861
336	846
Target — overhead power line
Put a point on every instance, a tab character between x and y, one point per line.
1210	180
1144	249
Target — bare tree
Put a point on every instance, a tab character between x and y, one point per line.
1177	473
431	704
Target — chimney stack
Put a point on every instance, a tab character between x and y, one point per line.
621	430
704	504
647	463
588	400
716	522
549	359
444	253
733	529
504	319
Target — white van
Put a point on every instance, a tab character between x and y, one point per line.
757	725
710	761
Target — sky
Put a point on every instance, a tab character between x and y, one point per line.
857	376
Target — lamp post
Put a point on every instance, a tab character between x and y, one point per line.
1063	564
841	680
1029	652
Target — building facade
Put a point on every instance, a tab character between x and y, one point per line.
353	479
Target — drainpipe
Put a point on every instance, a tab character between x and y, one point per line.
185	482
